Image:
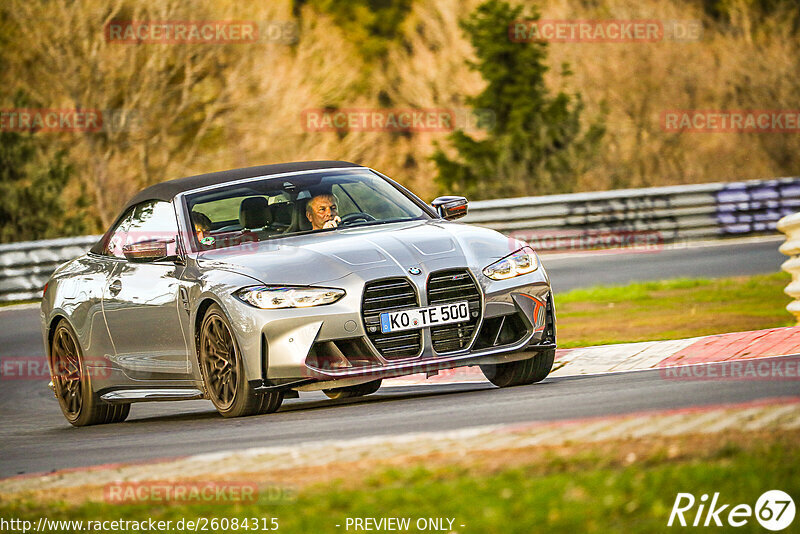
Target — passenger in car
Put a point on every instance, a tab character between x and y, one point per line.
202	224
322	212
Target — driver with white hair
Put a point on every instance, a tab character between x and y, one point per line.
322	212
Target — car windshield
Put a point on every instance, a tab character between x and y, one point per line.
276	207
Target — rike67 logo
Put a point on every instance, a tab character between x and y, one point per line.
774	510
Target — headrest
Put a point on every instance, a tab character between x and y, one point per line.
282	212
254	212
303	223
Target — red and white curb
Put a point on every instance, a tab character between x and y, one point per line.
737	346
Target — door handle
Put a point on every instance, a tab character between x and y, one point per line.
115	287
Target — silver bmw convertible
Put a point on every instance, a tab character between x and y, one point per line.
245	287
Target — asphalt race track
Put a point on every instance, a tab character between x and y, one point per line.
34	437
706	260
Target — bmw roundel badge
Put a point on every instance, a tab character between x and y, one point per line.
415	270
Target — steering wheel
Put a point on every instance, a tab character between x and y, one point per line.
356	216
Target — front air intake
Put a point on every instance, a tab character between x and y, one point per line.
454	285
390	294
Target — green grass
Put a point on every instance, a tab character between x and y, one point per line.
15	302
671	309
591	490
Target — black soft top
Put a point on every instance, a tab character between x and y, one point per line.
167	190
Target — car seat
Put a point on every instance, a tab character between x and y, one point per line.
254	213
282	215
300	222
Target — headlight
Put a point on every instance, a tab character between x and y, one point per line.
274	297
523	261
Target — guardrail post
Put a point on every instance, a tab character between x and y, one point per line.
790	225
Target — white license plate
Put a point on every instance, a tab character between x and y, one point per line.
456	312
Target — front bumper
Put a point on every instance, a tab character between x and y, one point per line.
302	346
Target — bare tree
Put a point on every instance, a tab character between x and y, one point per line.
160	102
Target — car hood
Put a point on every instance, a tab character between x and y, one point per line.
325	256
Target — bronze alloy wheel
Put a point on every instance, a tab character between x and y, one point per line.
67	372
219	360
223	374
73	385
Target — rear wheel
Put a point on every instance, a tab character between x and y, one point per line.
80	405
521	372
223	374
359	390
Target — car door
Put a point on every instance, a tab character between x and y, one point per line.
143	300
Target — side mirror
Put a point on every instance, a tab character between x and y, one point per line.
149	251
450	208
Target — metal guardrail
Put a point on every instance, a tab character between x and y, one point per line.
790	225
26	266
606	219
664	214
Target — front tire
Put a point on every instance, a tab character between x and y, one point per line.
359	390
72	381
222	369
522	372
